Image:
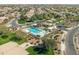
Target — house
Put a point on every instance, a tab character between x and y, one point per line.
2	19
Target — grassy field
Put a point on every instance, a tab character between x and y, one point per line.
33	52
6	36
21	21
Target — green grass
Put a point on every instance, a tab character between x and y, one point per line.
50	52
6	36
21	21
17	39
2	41
33	52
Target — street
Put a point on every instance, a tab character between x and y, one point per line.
70	50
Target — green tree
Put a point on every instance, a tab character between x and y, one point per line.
15	38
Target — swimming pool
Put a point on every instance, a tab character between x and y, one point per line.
36	31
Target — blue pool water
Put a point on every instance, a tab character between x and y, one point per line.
34	30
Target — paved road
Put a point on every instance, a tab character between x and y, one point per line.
70	50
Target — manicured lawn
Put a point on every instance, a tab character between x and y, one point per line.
6	36
11	37
21	21
33	52
50	52
2	41
17	39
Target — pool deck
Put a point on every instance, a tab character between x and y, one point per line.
41	33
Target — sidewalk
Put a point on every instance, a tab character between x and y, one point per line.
63	43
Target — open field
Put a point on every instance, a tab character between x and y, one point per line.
12	48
